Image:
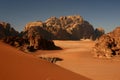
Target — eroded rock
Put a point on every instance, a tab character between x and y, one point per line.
108	45
65	27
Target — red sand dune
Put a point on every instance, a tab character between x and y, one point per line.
16	65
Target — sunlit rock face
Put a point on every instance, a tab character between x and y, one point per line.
65	27
38	28
108	45
36	39
7	30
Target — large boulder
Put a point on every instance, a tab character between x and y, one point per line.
108	44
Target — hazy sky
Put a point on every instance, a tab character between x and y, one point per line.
100	13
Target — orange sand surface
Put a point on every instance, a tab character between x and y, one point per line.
16	65
78	58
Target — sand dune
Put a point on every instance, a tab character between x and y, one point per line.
78	58
16	65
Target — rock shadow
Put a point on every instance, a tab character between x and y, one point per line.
52	59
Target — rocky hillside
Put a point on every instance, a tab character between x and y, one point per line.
30	40
39	35
65	28
7	30
108	45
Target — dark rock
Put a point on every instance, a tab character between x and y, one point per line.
7	30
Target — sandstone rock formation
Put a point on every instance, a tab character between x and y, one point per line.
108	45
38	28
65	27
6	30
36	39
29	40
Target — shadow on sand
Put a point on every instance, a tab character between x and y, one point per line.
52	59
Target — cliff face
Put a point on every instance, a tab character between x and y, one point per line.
108	45
39	35
65	27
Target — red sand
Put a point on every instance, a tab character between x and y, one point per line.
78	58
16	65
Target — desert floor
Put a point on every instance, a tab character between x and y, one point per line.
77	57
16	65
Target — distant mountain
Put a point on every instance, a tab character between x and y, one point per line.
98	32
64	28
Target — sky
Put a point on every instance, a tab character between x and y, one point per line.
99	13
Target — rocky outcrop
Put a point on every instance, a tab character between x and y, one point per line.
6	30
37	28
81	31
29	40
98	32
108	45
65	27
37	41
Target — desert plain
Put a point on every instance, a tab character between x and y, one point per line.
78	63
78	57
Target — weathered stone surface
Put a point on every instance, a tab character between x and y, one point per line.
38	38
65	27
38	28
81	31
108	45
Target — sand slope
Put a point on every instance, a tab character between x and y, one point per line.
16	65
78	58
